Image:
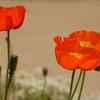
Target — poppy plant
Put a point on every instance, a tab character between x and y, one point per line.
91	39
71	55
11	17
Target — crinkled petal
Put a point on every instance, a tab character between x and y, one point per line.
58	40
66	60
89	62
91	37
97	45
67	44
79	35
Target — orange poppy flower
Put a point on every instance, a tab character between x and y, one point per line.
11	18
90	39
70	55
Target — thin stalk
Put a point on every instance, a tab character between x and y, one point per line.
71	86
0	72
10	79
43	98
7	71
76	85
14	91
82	85
0	75
1	95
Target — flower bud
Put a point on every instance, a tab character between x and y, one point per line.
13	63
45	71
98	68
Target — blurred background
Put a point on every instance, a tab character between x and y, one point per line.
44	20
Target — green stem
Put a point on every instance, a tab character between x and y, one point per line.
1	95
44	88
9	83
13	88
0	77
76	85
71	86
82	85
7	72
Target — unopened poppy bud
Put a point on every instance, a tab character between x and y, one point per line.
98	68
45	71
13	63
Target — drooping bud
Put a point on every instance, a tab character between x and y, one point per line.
45	71
98	68
13	63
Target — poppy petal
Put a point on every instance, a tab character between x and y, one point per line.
17	13
92	37
6	22
79	35
11	18
58	40
67	44
66	60
89	62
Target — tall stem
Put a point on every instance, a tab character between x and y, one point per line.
14	90
71	86
76	85
7	71
43	98
82	85
1	95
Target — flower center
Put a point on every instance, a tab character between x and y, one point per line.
86	44
76	54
